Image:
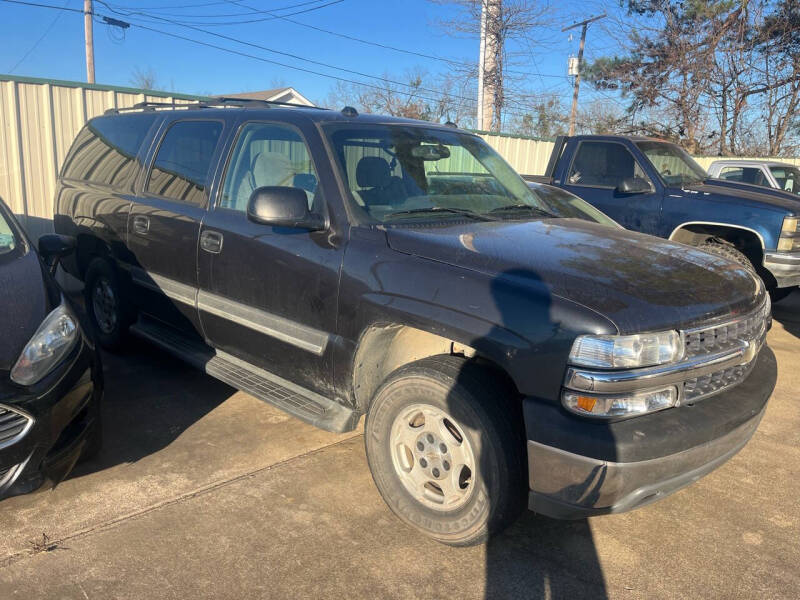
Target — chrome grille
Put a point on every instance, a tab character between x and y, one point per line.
747	330
698	388
717	338
13	425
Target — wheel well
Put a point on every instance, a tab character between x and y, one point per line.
384	349
88	246
745	241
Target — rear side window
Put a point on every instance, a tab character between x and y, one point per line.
180	170
105	150
751	175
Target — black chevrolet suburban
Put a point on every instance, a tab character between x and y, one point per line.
337	265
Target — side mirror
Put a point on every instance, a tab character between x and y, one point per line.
54	247
282	207
634	185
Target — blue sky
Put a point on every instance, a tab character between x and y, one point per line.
182	66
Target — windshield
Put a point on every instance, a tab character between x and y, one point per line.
8	240
404	172
788	178
563	204
674	165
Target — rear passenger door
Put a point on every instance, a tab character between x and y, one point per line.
164	221
268	295
595	174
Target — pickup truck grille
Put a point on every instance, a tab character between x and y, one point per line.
717	338
747	330
12	426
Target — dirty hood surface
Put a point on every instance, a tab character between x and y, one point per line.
638	281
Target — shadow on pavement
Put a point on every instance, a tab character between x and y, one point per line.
150	399
538	557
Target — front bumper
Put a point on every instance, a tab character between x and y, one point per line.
61	410
579	468
784	267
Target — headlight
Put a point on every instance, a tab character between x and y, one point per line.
626	351
625	405
55	337
789	240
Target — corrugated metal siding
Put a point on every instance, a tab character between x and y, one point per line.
39	120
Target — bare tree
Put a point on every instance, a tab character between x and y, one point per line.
144	79
507	21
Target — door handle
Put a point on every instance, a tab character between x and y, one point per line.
141	224
211	241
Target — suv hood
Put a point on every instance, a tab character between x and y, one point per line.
638	281
747	193
25	300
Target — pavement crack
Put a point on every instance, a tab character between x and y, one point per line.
10	559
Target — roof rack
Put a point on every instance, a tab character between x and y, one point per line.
221	102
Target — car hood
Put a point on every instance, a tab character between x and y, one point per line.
637	281
25	299
747	193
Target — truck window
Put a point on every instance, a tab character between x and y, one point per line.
603	164
180	170
788	178
674	165
267	154
105	150
751	175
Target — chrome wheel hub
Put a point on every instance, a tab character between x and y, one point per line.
432	457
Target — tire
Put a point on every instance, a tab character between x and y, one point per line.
778	294
94	439
108	309
445	398
729	251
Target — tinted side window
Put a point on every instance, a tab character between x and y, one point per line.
180	170
603	164
267	154
105	150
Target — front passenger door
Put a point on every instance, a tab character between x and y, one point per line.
597	173
268	295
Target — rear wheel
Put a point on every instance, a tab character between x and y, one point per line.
108	309
446	450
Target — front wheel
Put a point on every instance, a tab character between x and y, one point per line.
446	450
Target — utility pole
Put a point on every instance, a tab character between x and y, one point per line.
584	25
490	67
89	39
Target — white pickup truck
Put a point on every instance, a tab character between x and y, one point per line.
782	176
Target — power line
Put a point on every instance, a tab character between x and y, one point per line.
164	10
39	41
128	12
269	61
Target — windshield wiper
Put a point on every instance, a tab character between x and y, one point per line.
521	207
442	209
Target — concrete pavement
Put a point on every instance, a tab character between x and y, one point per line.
205	492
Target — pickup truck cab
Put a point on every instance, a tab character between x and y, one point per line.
764	173
338	265
655	187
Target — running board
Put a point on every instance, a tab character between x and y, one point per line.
296	400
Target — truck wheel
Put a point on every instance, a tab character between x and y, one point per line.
108	309
727	250
447	451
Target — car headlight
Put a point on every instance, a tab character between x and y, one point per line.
789	240
623	405
627	351
55	337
